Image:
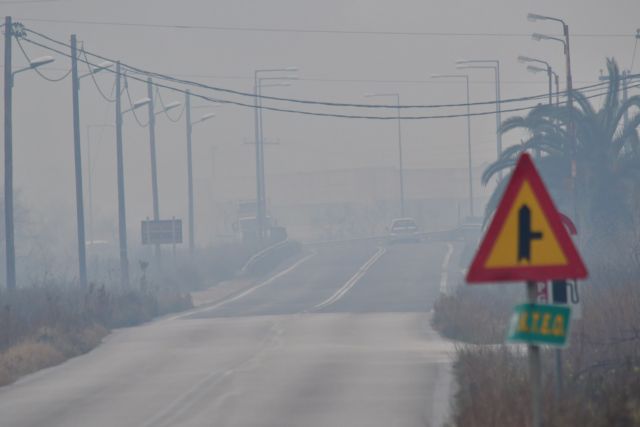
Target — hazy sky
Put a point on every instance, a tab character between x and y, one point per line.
42	110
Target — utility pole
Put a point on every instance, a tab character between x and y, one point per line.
190	170
263	186
122	220
572	125
8	158
470	167
625	96
75	86
400	162
154	168
498	112
259	207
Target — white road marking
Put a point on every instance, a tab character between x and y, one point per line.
445	270
247	292
352	282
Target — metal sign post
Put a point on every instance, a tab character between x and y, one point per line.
527	240
534	365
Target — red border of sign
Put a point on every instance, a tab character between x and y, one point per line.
575	268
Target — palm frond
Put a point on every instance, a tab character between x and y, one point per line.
612	100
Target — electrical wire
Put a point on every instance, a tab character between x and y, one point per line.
50	79
306	31
93	77
333	104
161	76
320	114
131	104
166	112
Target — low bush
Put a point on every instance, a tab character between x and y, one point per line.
601	364
41	327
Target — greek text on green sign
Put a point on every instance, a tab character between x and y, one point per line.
540	324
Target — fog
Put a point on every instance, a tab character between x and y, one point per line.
312	160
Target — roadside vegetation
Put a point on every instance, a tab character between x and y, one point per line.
50	321
43	326
602	363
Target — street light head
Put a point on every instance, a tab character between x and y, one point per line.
532	17
140	103
172	105
537	36
43	60
523	59
534	69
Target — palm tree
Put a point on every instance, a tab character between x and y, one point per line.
607	157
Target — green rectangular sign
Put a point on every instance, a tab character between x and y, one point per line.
540	324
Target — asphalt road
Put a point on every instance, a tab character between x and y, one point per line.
337	337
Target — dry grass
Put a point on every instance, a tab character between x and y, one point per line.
48	347
601	364
42	327
457	316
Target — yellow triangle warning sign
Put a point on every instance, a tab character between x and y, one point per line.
526	239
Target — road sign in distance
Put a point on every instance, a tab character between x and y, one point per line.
540	324
165	231
526	239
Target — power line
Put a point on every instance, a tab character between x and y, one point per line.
303	112
132	108
303	101
50	79
166	111
305	30
93	77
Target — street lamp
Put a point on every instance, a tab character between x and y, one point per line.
565	42
100	67
35	63
190	196
526	59
75	87
204	118
152	155
570	125
261	201
400	160
122	218
483	64
536	69
9	76
469	166
532	68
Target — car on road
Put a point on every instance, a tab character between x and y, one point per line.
404	230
